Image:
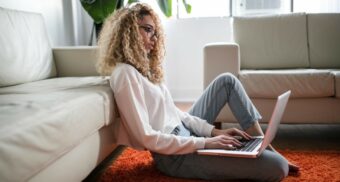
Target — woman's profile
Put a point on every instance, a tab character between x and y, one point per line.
131	50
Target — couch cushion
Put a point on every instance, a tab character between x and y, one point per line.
324	40
55	84
25	53
304	83
37	128
336	74
275	41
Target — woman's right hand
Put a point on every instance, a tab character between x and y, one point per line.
222	142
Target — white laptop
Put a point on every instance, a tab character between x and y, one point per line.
255	147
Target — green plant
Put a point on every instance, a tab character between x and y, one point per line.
100	9
166	6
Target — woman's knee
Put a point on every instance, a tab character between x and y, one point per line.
226	78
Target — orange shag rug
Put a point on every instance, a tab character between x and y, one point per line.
133	165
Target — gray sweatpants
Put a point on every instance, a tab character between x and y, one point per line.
226	88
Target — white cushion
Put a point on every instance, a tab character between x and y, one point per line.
324	40
304	83
37	128
275	41
25	53
55	84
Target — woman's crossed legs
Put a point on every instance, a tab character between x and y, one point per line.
226	88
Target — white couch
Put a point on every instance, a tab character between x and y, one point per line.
55	111
274	53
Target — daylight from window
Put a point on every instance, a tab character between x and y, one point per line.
225	8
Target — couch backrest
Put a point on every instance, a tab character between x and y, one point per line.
25	53
274	41
324	40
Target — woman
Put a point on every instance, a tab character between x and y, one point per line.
131	49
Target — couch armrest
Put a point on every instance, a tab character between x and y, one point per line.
75	61
220	58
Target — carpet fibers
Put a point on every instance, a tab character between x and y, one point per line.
134	165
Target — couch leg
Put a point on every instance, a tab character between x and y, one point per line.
218	124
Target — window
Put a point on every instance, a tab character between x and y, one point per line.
223	8
256	7
317	6
204	8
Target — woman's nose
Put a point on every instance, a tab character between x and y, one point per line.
153	37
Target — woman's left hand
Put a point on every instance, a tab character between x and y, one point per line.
233	132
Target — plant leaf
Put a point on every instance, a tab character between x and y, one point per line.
99	9
187	6
132	1
120	4
166	7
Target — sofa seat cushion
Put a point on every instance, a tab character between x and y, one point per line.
38	127
336	74
55	84
304	83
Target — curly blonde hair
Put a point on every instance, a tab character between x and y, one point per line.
121	42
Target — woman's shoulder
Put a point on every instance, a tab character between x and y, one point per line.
123	67
123	74
124	70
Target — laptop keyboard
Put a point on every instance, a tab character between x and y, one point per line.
249	145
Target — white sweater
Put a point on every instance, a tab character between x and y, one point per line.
148	115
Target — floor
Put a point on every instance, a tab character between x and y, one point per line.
291	137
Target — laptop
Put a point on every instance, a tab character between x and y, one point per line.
254	148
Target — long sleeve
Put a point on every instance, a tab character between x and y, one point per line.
199	126
133	108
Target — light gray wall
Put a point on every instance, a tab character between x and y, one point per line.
185	40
